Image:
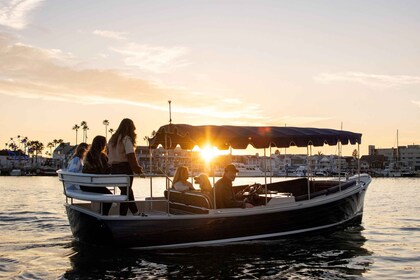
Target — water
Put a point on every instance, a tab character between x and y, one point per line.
36	242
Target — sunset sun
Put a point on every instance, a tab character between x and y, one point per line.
208	153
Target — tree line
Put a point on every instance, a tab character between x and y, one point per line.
35	147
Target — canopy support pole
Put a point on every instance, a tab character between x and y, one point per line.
166	172
339	165
265	175
150	177
307	172
271	167
192	167
358	162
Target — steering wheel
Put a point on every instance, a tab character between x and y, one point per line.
251	193
247	190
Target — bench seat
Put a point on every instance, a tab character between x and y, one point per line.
99	197
72	182
188	201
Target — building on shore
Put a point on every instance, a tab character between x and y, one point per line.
165	162
405	156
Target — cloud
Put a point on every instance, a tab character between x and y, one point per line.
416	102
153	59
371	80
14	13
30	72
110	34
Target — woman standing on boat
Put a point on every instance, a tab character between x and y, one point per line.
123	160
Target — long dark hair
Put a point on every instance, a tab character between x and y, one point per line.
126	128
96	150
80	150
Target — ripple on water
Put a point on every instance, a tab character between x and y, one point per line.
36	243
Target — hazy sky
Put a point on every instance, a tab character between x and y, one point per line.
309	63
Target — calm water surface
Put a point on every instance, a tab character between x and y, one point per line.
36	242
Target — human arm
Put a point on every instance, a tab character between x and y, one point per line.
131	155
75	165
225	197
182	186
134	165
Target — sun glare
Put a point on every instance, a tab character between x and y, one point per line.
208	153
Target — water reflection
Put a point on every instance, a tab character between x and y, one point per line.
335	255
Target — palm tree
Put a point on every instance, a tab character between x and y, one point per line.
50	145
111	130
24	141
106	123
85	129
84	126
35	147
76	127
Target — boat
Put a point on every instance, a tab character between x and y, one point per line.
15	172
397	168
46	171
249	170
321	173
190	219
299	171
396	172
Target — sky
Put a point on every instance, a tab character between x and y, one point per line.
352	65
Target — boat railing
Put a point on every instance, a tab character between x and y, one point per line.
188	201
168	185
72	183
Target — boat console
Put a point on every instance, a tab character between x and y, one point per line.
277	198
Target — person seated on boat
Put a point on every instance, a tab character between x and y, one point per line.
96	162
225	196
76	162
180	181
204	182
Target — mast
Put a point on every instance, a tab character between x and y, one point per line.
170	114
397	163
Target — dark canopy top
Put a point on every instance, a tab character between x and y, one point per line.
239	137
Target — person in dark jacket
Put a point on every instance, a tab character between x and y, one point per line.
96	162
225	196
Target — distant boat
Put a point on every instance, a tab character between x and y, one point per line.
244	170
46	171
397	168
300	171
15	172
321	173
397	172
249	170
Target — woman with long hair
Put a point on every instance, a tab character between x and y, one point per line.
96	162
76	162
122	157
180	181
